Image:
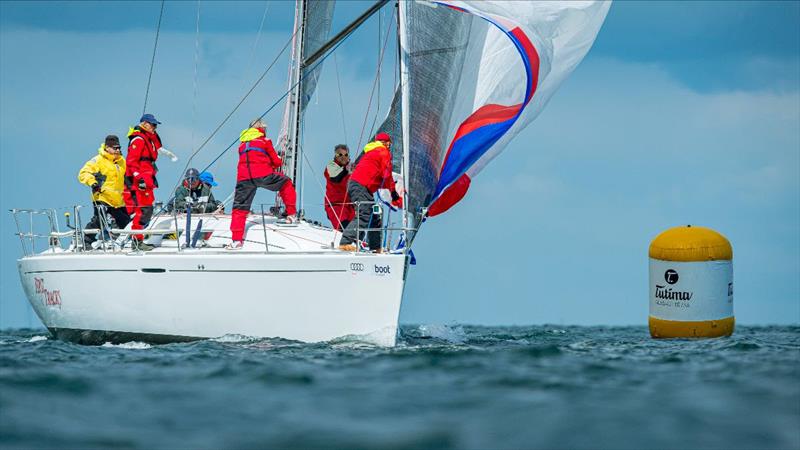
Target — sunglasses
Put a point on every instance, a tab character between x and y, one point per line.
115	147
341	154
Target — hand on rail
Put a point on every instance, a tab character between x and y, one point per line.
95	188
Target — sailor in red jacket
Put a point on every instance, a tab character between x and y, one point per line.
140	174
337	206
373	171
259	167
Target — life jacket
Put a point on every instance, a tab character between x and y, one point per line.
257	156
336	178
145	162
373	168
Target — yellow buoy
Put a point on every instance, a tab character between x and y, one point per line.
691	284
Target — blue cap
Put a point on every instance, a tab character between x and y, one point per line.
207	178
149	118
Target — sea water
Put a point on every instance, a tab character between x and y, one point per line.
441	387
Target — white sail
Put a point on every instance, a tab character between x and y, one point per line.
318	17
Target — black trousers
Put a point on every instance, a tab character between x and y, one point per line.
119	215
364	217
245	191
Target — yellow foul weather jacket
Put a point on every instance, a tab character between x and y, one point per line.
107	170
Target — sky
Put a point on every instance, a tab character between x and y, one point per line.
682	113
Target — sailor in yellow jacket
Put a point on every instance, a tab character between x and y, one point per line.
105	174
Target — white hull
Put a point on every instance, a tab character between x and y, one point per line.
307	298
308	294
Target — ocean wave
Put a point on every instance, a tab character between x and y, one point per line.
135	345
37	339
454	334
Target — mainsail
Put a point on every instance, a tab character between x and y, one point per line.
478	72
318	17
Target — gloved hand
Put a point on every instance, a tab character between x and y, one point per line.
95	188
142	185
220	208
397	201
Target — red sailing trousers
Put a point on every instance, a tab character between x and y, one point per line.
245	193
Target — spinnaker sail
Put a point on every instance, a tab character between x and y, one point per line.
433	61
478	73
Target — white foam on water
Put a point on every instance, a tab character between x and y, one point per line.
454	334
385	337
37	339
234	338
129	345
557	331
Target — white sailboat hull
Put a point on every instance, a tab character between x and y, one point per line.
94	297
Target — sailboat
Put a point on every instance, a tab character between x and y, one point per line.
472	75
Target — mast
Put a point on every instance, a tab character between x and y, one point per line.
404	117
295	101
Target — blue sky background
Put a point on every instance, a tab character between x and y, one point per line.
683	112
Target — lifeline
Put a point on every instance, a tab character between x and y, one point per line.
670	295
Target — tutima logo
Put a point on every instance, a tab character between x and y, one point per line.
666	293
382	270
671	276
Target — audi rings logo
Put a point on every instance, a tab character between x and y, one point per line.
671	276
356	267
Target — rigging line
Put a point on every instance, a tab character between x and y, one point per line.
188	161
153	58
341	99
325	195
313	67
258	38
196	64
380	72
372	91
247	94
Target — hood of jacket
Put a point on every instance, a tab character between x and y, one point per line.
109	156
251	133
373	145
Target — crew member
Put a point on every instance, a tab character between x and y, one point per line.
105	174
373	171
194	192
207	178
259	167
140	176
337	173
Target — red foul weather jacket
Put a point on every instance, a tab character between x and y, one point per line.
257	156
141	160
374	168
336	178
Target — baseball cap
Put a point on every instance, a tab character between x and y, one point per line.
149	118
207	178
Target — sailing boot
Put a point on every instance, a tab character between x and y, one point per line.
142	246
